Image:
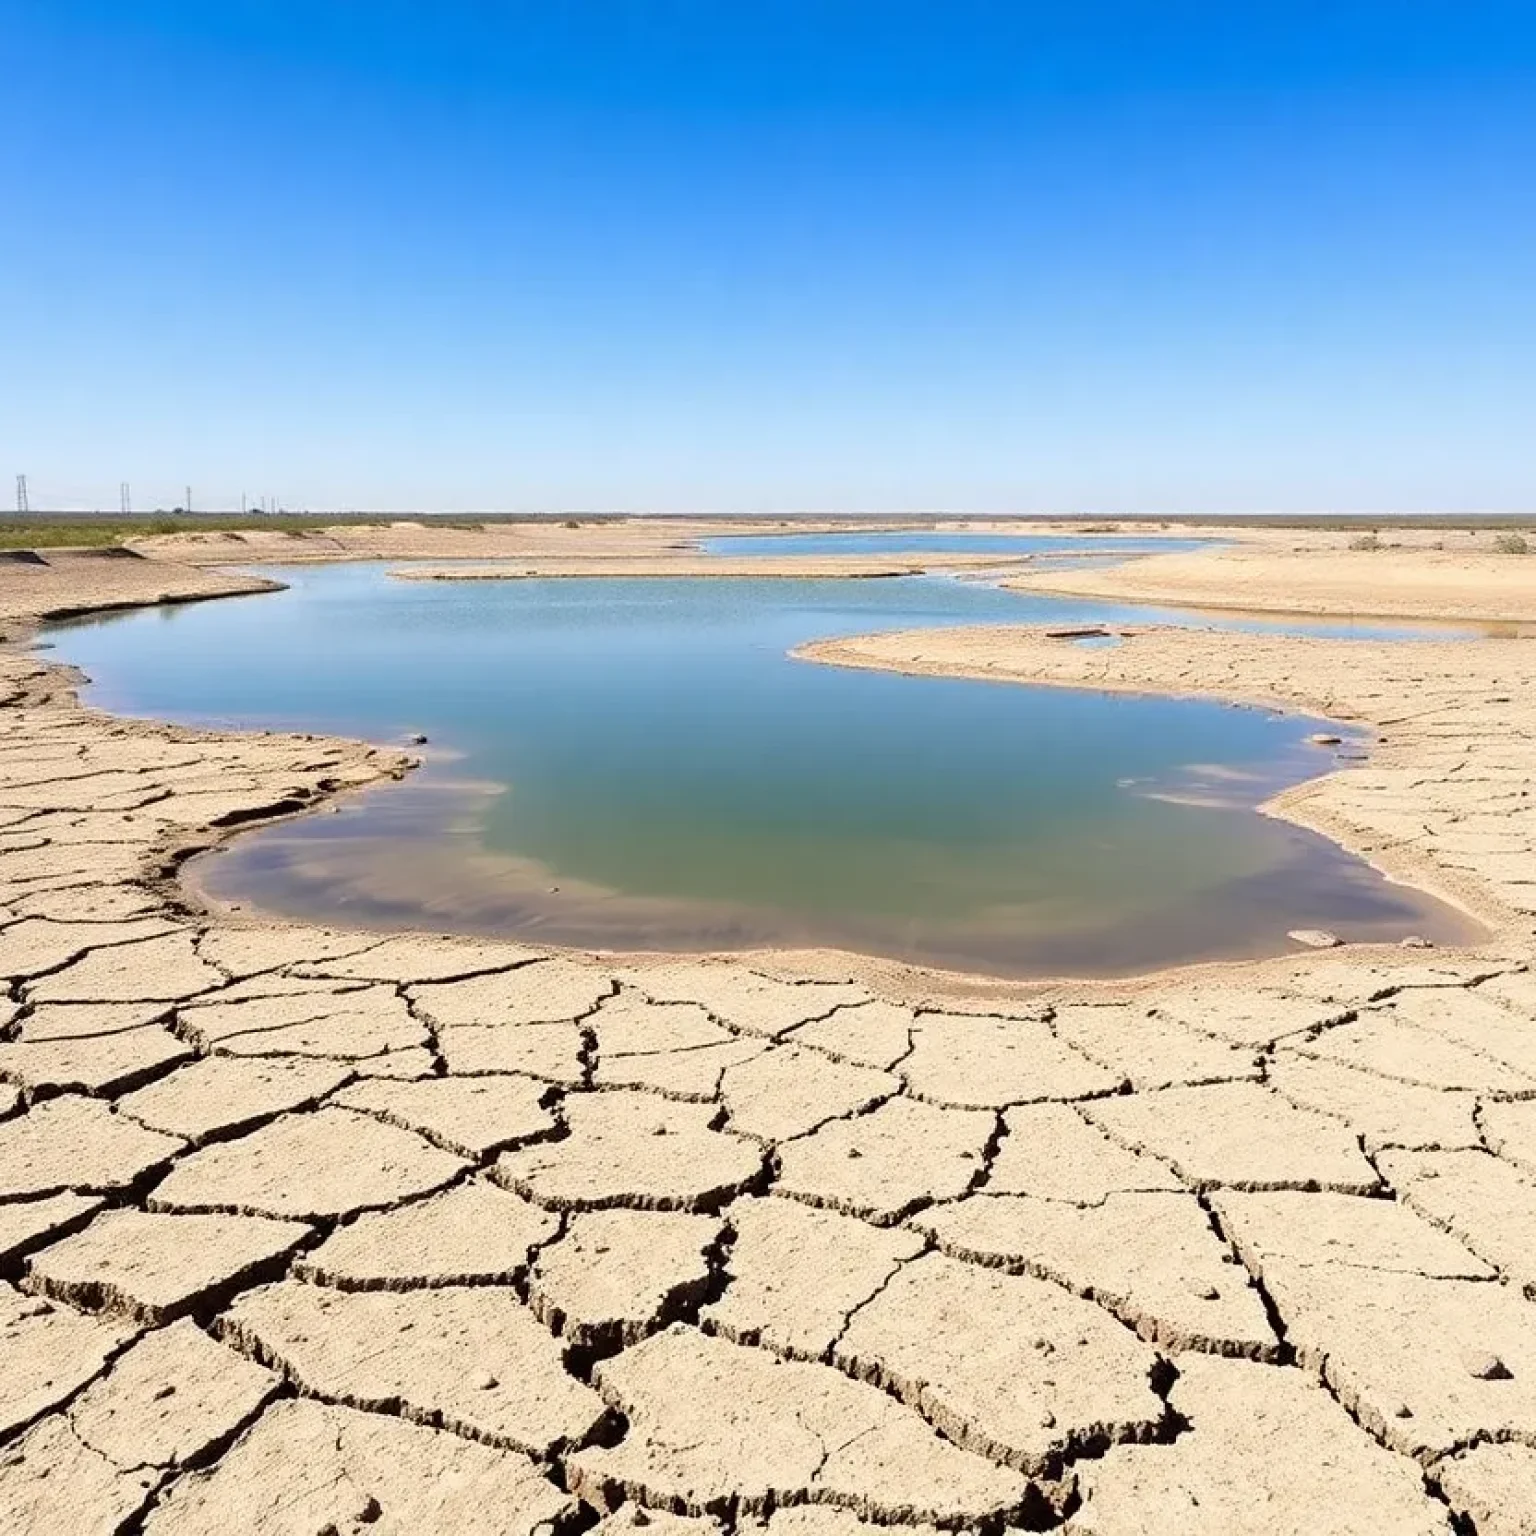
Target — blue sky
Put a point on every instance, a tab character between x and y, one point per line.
683	255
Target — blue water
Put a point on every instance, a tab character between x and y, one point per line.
637	764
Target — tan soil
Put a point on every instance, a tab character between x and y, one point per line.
1415	575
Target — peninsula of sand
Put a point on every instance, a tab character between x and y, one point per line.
322	1231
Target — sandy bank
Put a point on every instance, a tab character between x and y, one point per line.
1322	574
58	583
312	1228
752	568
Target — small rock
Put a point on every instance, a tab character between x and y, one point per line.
417	738
1315	938
1323	739
854	1152
1484	1366
1403	1411
485	1381
1047	1420
1416	941
168	1390
1207	1293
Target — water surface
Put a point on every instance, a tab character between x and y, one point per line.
637	764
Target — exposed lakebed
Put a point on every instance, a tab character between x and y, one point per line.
639	764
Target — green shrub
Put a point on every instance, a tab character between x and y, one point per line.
1511	544
1370	540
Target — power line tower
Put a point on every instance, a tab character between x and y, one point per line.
124	499
23	505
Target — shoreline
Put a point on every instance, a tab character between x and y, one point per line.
1275	1193
487	895
1174	670
1397	863
914	978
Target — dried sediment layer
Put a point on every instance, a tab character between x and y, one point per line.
56	583
464	1236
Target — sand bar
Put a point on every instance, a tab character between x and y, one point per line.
760	567
1398	573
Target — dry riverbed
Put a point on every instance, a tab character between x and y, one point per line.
311	1230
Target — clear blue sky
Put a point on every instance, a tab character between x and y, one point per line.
719	255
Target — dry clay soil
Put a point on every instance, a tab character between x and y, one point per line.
325	1233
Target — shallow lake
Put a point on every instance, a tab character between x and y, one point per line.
638	764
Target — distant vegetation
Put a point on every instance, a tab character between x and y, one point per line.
57	530
60	530
1512	544
89	529
1371	540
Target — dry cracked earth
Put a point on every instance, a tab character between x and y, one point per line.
332	1233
